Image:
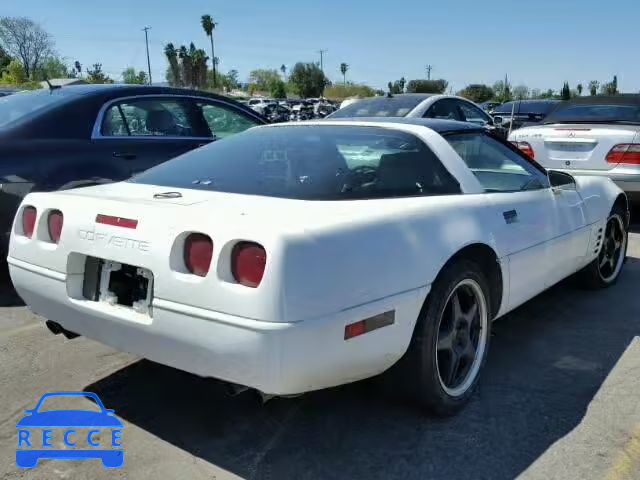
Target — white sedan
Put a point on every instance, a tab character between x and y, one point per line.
596	135
296	257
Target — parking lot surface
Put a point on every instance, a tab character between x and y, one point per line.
558	399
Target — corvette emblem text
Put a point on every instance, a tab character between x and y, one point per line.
114	240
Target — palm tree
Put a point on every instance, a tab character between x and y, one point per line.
343	68
208	25
187	70
174	68
283	69
78	67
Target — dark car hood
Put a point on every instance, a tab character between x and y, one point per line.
69	418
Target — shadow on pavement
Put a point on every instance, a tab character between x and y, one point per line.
8	296
547	361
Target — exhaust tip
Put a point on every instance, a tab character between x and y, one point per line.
57	329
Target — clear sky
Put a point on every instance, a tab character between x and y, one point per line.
540	43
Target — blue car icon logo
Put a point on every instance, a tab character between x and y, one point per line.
32	446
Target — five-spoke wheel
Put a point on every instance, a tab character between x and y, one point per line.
461	341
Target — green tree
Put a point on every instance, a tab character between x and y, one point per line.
78	67
208	25
308	80
263	78
565	93
283	69
96	75
340	92
579	89
548	94
502	90
173	72
13	74
593	87
130	76
610	88
427	86
278	89
26	41
477	92
343	69
5	59
520	92
52	67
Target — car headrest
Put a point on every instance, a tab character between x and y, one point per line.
404	170
161	121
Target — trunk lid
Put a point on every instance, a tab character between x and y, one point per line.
576	146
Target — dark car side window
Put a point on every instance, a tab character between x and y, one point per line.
497	166
444	109
473	114
153	117
222	121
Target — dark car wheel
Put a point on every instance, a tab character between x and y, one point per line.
451	340
605	269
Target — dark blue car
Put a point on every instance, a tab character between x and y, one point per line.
84	135
28	457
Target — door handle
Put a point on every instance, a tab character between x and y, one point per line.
124	155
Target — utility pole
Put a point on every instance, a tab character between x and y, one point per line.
322	52
146	38
429	67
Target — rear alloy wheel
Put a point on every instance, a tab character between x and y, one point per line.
461	338
613	250
451	340
605	269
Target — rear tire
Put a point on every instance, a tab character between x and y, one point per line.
605	269
451	340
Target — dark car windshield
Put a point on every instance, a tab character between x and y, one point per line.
596	113
526	107
19	105
398	106
310	162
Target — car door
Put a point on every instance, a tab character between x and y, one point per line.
445	109
141	132
525	211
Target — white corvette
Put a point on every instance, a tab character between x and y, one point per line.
291	258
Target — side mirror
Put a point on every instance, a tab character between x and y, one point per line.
497	120
561	180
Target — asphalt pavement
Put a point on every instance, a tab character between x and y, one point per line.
559	399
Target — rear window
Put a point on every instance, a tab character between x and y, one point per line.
379	107
596	113
19	105
310	163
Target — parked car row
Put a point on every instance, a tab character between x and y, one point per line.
276	111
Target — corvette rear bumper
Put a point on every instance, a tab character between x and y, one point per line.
275	358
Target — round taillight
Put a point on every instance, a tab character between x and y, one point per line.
248	260
29	215
198	250
54	224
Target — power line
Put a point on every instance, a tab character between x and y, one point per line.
146	38
429	67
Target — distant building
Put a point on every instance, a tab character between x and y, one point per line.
64	82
